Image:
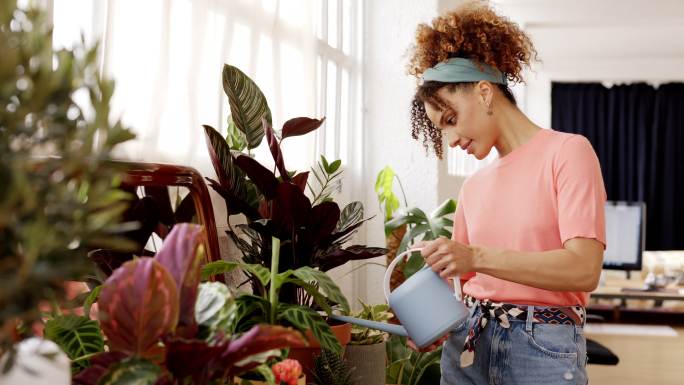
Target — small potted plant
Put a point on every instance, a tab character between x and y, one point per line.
366	349
330	368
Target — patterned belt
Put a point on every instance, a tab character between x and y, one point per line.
502	312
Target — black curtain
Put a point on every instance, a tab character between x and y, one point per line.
637	131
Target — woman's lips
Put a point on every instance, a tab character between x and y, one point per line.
467	146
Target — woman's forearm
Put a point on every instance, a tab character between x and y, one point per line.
558	270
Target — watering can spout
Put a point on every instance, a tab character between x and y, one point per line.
385	327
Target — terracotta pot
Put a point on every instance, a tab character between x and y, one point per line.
306	355
238	380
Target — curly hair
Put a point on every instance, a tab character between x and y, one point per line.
473	31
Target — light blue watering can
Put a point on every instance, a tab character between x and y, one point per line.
424	304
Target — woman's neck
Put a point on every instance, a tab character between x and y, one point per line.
516	129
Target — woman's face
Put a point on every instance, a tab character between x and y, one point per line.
463	118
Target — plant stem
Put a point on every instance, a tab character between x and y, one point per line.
85	357
402	190
273	294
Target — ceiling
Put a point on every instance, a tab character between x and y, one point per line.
611	29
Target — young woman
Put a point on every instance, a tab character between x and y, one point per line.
529	233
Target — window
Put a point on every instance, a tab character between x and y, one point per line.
166	57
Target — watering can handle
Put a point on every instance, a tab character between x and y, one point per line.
393	264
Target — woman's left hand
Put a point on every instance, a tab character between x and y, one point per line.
446	257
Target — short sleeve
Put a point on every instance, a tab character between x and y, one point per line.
460	230
580	191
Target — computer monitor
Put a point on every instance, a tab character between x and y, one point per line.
625	235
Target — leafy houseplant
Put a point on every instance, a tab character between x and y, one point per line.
312	230
407	367
330	368
404	225
163	327
254	309
58	196
366	350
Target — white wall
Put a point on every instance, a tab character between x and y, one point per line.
389	27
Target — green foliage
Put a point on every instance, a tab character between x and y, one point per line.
235	138
328	180
215	309
58	196
388	200
304	318
77	336
406	366
132	371
364	336
331	369
422	226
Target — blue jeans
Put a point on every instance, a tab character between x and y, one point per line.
526	353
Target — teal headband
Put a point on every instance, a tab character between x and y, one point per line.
460	70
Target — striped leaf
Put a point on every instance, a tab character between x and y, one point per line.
351	215
247	104
230	176
76	335
221	267
304	318
325	284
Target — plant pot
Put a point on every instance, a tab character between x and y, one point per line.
240	381
368	363
306	355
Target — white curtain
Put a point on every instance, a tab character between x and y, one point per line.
166	57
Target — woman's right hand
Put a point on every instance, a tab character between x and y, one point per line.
430	348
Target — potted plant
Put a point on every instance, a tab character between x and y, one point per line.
330	368
313	229
405	366
404	225
56	188
265	305
366	349
162	326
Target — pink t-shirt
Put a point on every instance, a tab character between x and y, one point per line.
538	196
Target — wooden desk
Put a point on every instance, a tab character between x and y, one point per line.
648	307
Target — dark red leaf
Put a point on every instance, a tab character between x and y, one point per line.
259	339
274	146
138	304
300	126
219	152
300	180
234	205
262	177
291	208
185	210
341	256
99	365
323	221
191	357
160	196
180	257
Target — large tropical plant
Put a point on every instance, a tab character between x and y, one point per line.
409	367
313	230
58	196
163	327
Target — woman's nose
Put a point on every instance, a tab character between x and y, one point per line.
454	140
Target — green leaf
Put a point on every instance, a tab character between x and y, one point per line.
250	310
326	165
247	104
221	267
218	267
215	308
414	263
314	292
304	318
132	371
234	137
325	283
334	166
267	373
92	297
447	207
77	336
